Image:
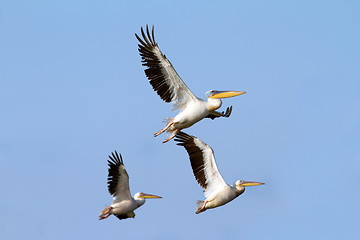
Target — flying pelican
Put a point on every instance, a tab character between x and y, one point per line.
123	204
205	170
169	86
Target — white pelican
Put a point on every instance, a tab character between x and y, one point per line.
123	204
169	86
205	170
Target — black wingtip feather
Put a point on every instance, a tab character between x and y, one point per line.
114	162
144	36
155	71
195	155
148	34
140	40
228	111
226	114
153	34
182	137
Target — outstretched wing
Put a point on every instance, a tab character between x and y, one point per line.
118	178
215	114
160	72
203	163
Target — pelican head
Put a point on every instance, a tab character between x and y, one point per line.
223	94
240	184
142	196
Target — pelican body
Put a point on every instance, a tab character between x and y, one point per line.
123	204
202	159
171	88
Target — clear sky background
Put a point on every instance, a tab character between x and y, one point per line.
72	89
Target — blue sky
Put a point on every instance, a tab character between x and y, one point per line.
72	89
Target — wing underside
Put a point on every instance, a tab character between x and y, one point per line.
202	162
160	72
118	178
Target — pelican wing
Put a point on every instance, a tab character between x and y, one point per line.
215	114
160	72
203	163
125	216
118	178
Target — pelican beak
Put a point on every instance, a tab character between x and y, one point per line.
145	195
251	183
225	94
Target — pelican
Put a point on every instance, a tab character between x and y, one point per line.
169	86
205	170
123	205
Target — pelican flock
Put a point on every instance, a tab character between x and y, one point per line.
171	88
